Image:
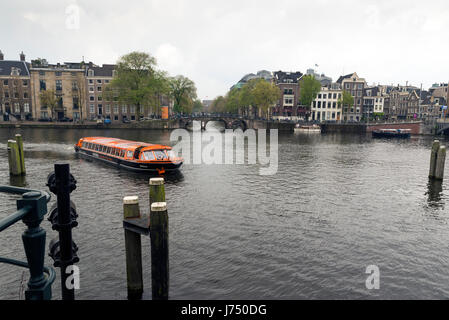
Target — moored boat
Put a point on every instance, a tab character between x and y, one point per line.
391	133
131	155
308	128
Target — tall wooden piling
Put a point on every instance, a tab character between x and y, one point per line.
159	250
21	153
433	158
441	159
133	247
157	190
14	158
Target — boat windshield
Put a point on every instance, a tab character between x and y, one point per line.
150	155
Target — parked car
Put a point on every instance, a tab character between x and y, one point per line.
107	121
125	120
45	119
65	119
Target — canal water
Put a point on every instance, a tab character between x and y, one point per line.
338	204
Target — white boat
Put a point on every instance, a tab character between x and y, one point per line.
308	128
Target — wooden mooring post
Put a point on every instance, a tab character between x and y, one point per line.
133	248
156	226
437	161
159	240
16	159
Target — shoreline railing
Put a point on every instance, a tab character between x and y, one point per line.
31	209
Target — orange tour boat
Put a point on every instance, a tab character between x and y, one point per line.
132	155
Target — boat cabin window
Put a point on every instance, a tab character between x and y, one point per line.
160	154
147	156
109	150
122	153
129	154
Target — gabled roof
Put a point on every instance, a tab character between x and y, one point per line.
340	80
104	71
7	65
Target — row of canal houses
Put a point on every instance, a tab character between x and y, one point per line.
378	102
78	87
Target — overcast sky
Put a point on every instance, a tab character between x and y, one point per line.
215	43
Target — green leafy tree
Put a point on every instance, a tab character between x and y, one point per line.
346	101
265	95
309	89
233	100
137	82
218	105
197	106
48	99
183	92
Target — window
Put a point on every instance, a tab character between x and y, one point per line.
98	80
17	107
347	86
58	73
42	73
91	81
6	94
129	154
116	109
319	104
25	83
58	85
98	88
360	86
108	109
26	107
147	156
25	95
115	118
132	109
160	154
91	98
5	82
124	109
106	81
73	74
324	96
91	89
99	98
92	108
42	85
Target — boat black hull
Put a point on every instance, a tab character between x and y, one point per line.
390	135
129	165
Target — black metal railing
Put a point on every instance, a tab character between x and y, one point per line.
31	209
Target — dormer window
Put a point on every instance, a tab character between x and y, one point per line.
90	73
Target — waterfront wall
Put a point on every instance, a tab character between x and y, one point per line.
415	127
140	125
343	128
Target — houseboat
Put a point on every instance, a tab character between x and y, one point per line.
308	128
131	155
391	133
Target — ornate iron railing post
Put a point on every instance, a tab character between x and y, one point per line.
34	244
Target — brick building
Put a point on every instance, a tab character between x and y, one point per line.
15	89
68	84
353	84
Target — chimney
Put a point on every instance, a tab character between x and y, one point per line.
22	56
1	56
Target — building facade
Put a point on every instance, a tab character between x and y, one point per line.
373	103
15	89
326	106
353	84
288	103
66	81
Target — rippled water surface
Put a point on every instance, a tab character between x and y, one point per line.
337	204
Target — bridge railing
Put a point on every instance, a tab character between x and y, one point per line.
31	209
